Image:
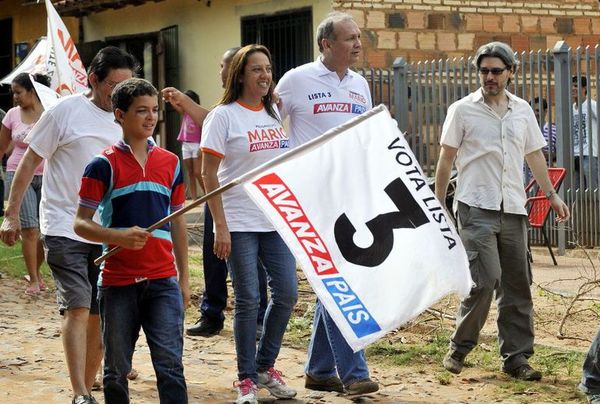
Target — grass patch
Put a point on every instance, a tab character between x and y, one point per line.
398	353
299	328
12	264
553	361
560	367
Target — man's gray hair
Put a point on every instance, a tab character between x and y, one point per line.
497	50
325	30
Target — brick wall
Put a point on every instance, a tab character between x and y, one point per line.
433	29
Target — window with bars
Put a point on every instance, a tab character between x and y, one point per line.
288	35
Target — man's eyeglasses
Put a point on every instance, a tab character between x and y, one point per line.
496	71
110	84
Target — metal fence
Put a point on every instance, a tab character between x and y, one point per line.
418	95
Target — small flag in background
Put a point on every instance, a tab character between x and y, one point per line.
62	59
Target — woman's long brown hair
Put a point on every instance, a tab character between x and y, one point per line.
234	86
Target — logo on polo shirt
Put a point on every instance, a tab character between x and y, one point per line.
343	107
266	138
316	96
357	97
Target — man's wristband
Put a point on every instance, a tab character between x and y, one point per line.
549	194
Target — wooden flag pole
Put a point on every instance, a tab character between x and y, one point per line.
243	178
172	216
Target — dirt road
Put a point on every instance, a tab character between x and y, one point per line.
32	366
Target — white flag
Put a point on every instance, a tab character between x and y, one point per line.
47	96
372	239
34	62
62	59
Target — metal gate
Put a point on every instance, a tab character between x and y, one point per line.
418	95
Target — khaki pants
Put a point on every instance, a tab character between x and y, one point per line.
496	245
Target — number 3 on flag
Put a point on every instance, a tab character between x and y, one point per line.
409	215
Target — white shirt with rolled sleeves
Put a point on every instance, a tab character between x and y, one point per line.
68	136
317	100
491	151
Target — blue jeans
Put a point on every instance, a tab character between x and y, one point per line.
329	354
246	249
157	307
585	163
590	379
214	298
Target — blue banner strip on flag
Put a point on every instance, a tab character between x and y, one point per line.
351	307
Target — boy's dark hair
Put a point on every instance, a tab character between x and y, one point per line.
111	58
126	91
193	95
537	101
22	80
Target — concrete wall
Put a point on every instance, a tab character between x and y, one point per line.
204	32
432	29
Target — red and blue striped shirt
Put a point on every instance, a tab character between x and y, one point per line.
127	194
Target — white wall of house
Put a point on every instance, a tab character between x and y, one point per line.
204	31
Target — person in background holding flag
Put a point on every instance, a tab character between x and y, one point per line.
489	133
319	96
68	136
241	133
15	127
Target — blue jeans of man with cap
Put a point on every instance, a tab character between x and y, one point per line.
329	355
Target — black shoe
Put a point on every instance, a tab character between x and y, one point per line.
524	372
454	361
331	384
205	328
364	386
84	400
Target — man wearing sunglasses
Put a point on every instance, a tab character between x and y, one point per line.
488	134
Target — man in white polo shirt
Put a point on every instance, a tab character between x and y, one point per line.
316	97
488	134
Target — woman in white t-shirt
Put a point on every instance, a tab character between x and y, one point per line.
15	127
241	133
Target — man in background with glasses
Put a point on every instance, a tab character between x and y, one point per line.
488	134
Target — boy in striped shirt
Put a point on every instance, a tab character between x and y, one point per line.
132	185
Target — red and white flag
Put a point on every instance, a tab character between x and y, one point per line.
34	62
55	56
353	207
63	63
